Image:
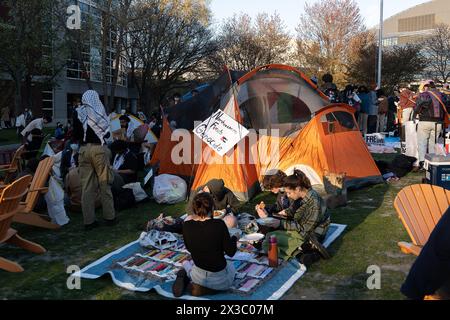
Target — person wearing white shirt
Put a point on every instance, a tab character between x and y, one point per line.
35	124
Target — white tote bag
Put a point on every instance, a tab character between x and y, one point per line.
138	192
55	203
169	189
412	149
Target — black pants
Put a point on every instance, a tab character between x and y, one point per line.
431	270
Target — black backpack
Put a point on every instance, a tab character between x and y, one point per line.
124	199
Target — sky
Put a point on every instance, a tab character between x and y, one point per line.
291	10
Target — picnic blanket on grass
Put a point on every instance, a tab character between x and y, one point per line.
272	289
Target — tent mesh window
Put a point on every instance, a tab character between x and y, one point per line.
338	122
277	99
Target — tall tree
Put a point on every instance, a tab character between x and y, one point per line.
324	33
401	64
30	50
245	44
167	42
437	49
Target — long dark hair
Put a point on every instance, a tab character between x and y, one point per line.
297	180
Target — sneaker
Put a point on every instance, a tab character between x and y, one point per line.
316	245
308	259
89	227
180	283
196	290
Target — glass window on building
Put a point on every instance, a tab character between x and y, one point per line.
47	103
419	23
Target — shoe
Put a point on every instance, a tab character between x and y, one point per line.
89	227
308	259
111	223
180	283
317	246
196	290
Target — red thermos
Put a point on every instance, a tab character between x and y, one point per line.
273	252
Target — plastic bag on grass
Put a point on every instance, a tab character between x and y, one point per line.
169	189
55	203
139	193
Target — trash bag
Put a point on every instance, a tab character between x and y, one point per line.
169	189
139	193
55	203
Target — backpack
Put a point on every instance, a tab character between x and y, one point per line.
124	199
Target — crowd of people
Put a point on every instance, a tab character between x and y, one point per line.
97	163
377	112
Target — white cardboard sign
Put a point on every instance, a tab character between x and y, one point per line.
221	132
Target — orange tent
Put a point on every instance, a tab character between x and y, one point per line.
292	125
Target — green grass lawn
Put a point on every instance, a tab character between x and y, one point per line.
9	136
371	239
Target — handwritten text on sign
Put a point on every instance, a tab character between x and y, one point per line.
221	132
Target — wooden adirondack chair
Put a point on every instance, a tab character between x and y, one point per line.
420	208
25	214
14	167
9	203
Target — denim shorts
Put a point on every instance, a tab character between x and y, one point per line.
220	281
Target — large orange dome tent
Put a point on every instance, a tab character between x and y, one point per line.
296	126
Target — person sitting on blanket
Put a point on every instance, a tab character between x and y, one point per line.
125	164
208	240
274	183
224	199
310	220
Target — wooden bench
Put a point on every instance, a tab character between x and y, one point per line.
26	214
420	207
9	203
14	166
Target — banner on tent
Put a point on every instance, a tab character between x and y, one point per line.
221	132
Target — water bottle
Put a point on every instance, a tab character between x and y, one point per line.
273	252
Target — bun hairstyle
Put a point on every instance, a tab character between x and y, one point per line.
203	205
297	180
274	181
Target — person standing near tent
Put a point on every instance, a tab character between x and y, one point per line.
431	109
329	88
406	104
363	94
383	109
91	128
372	119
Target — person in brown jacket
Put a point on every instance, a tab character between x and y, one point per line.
383	109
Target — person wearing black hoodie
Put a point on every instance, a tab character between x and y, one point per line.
224	199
